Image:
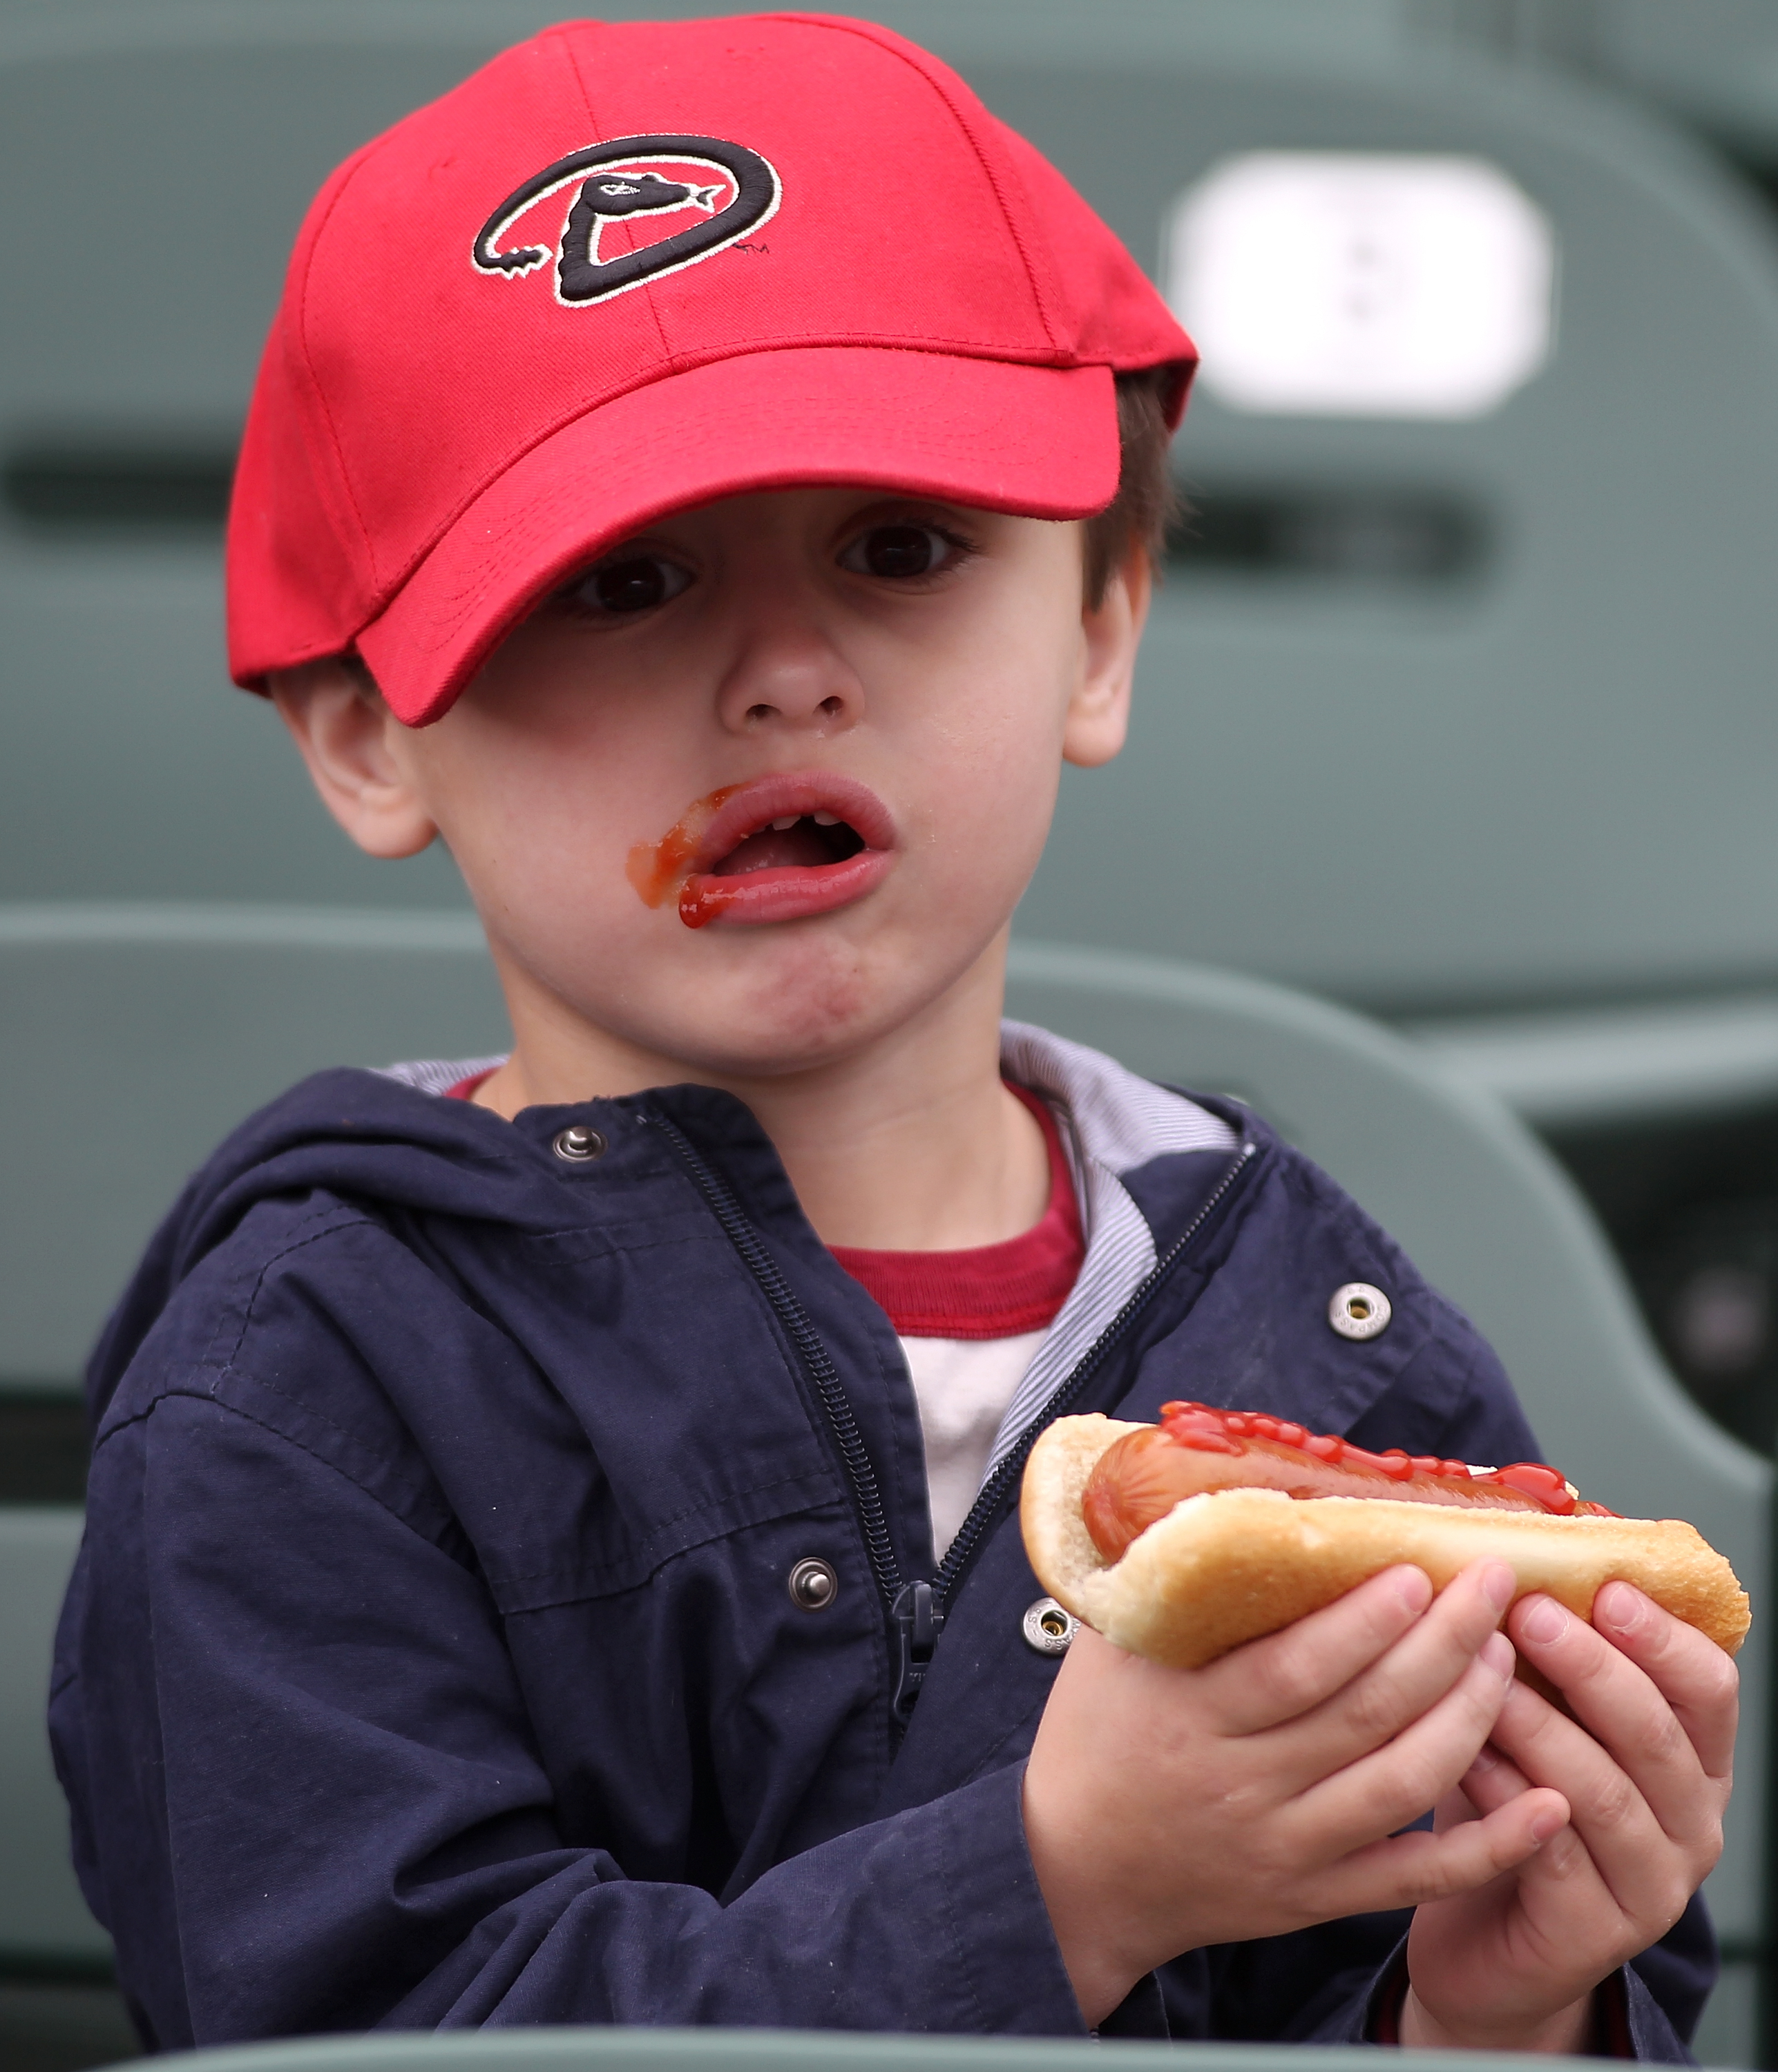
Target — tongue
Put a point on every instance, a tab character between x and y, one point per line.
799	848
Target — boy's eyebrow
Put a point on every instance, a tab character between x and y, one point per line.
910	501
884	502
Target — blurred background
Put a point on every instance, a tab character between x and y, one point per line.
1458	706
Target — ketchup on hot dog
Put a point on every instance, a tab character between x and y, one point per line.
1195	1450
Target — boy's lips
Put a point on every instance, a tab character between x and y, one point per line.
777	849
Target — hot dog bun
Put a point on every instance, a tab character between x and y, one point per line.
1221	1569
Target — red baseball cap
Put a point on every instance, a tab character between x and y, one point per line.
628	268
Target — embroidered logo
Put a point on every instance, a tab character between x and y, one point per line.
628	222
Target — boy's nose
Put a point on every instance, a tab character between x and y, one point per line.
801	684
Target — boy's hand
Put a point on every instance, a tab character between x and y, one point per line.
1167	1809
1646	1775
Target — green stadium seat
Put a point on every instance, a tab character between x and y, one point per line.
1450	712
771	2050
128	769
43	1919
134	1038
1715	64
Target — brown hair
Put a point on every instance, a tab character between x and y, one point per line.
1137	517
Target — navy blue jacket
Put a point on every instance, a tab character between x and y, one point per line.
430	1661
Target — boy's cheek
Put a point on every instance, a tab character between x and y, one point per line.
542	812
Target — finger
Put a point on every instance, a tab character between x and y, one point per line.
1456	1805
1373	1796
1399	1687
1693	1674
1290	1672
1648	1873
1623	1709
1493	1781
1415	1869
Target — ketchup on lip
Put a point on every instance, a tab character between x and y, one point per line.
702	897
1142	1475
660	870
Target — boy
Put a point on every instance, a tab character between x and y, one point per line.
551	1554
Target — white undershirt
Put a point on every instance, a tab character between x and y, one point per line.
963	1387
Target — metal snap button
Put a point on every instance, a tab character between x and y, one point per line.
813	1585
1359	1310
1047	1627
577	1144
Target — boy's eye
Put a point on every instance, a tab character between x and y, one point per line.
897	552
634	582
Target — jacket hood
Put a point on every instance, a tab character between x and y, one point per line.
387	1139
371	1137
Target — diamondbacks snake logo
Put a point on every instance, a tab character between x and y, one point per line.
644	207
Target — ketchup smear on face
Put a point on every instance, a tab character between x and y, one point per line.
1141	1476
659	869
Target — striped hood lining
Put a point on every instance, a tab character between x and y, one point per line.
438	1076
1116	1123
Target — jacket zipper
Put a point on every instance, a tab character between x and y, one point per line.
917	1610
817	1362
994	1491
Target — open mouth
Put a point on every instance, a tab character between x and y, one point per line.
777	849
794	842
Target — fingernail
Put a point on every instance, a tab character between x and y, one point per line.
1546	1621
1485	1761
1543	1825
1413	1587
1619	1606
1499	1582
1497	1653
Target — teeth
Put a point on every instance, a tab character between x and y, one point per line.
789	820
825	820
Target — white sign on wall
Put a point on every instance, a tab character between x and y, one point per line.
1351	284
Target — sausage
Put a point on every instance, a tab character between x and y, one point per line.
1195	1449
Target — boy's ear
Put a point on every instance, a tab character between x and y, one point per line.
1098	715
351	741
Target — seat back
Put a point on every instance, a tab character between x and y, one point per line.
1449	710
128	767
769	2050
133	1039
1492	1221
43	1917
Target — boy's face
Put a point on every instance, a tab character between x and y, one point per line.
900	679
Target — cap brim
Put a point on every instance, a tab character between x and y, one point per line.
1039	441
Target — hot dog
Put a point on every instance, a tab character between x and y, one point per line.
1182	1540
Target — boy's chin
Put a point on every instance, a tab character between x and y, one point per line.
794	1028
809	999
